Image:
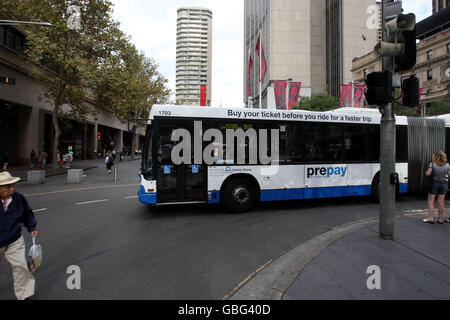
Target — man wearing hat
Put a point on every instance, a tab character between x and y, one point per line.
15	213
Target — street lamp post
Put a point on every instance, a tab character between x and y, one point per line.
16	23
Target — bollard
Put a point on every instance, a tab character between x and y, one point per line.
115	173
36	176
74	175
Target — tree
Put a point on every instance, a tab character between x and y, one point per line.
440	106
129	84
322	102
434	108
74	63
64	59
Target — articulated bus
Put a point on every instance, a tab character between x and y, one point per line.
239	157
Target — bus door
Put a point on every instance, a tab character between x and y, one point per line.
177	183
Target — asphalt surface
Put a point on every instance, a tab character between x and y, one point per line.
127	251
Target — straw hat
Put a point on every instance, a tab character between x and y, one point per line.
6	178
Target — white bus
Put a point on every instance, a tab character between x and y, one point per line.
219	155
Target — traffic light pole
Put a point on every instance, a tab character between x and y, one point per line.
387	158
387	163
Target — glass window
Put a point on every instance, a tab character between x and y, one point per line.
402	144
430	55
362	143
292	146
448	47
2	35
430	74
9	38
324	143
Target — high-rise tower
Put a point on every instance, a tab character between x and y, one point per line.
194	54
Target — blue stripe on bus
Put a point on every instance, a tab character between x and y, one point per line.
403	188
147	198
316	193
287	194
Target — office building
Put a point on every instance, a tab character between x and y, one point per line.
194	55
308	41
433	58
26	119
439	5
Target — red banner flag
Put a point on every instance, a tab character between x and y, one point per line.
263	63
203	96
358	95
280	94
294	93
346	95
250	66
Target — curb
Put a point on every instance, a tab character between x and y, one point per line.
273	279
51	174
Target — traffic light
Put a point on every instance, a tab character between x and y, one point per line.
7	80
379	88
411	92
401	41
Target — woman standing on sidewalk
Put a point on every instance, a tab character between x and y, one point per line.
440	170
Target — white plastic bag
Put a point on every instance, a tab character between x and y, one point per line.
34	258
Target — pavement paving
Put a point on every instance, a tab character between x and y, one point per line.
352	262
21	171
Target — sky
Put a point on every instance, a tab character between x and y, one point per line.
151	24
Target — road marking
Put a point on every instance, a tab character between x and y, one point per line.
37	210
130	197
95	201
80	189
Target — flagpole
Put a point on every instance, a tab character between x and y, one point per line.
260	62
353	94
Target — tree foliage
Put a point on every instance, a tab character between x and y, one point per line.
95	61
323	102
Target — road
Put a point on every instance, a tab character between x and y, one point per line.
126	250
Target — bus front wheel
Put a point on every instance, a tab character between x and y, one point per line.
238	195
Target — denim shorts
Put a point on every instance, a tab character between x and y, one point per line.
439	188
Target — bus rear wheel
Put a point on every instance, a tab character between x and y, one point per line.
238	195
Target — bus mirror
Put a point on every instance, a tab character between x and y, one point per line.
394	178
147	173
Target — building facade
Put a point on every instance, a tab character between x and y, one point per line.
433	58
439	5
194	55
308	41
26	120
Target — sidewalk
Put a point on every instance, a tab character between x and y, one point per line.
21	171
334	265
